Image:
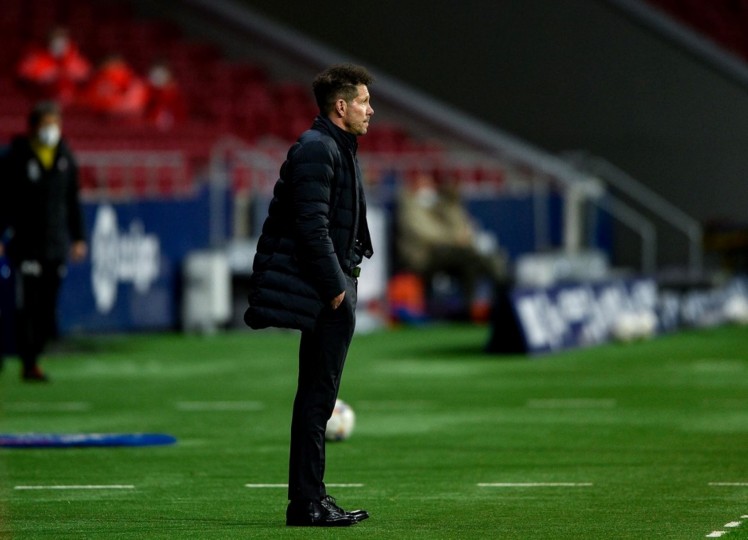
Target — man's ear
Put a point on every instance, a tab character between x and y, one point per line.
340	107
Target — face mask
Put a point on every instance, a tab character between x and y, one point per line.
58	46
427	197
159	77
49	135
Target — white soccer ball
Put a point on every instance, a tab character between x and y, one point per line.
625	327
634	325
341	423
736	310
647	323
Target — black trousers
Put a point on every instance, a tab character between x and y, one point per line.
37	288
322	354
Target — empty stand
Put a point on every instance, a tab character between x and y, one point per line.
223	98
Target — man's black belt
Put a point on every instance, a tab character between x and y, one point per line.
353	272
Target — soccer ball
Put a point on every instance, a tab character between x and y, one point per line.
340	425
634	325
647	323
736	310
625	327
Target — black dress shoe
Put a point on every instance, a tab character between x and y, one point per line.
34	374
316	514
357	515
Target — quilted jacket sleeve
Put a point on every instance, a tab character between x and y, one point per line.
311	179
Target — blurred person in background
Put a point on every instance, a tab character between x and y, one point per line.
56	70
42	223
165	104
436	235
305	276
115	89
4	267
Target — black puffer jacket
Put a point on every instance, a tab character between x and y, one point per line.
39	206
315	232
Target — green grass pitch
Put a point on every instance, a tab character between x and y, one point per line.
639	441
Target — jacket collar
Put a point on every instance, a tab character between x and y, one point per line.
346	140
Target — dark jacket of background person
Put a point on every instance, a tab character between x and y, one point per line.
40	207
315	232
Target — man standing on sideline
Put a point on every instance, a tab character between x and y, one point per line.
305	275
40	220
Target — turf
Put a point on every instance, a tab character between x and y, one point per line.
645	431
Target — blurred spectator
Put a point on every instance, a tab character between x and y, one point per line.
165	106
55	70
437	235
115	89
41	221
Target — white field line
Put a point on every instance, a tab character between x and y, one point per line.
75	487
43	407
271	486
730	525
534	484
571	403
219	406
729	484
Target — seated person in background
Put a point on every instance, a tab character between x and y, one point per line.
115	89
437	235
165	106
56	70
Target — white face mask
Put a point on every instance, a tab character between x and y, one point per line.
49	135
58	46
159	76
427	197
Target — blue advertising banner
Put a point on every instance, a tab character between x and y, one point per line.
578	315
131	279
546	319
538	320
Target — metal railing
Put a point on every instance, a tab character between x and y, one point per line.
250	171
129	174
647	199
